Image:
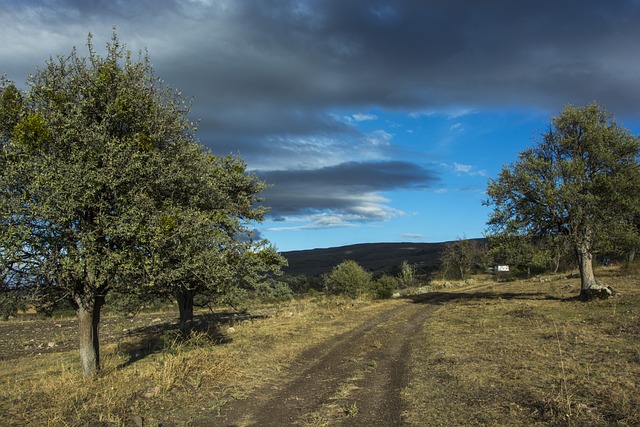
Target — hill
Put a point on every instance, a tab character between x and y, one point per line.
375	257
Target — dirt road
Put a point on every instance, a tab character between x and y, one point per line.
354	380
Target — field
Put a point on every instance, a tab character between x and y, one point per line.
516	353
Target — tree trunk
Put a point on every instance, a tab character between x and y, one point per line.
88	311
631	255
585	263
184	298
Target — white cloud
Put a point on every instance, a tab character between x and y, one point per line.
462	169
360	117
379	138
413	236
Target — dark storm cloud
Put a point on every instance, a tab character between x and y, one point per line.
397	54
267	77
351	188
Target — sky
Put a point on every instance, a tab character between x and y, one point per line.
372	120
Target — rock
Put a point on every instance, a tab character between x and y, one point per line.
51	344
596	292
395	295
231	330
447	285
470	282
152	392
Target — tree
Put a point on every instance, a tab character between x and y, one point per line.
407	274
348	278
198	241
580	180
527	255
459	257
98	168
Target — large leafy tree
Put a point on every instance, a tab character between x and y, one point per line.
581	180
102	186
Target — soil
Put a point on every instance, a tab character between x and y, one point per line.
32	336
356	379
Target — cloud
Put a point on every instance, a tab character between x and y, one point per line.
359	117
409	55
267	77
342	194
413	236
462	169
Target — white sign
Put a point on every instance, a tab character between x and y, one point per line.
503	268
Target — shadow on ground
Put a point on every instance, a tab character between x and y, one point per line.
206	329
438	298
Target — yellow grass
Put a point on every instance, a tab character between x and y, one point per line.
529	353
181	381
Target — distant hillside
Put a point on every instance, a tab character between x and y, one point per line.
375	257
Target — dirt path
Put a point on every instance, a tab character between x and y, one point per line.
355	379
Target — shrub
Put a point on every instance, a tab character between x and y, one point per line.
407	274
274	291
348	278
383	287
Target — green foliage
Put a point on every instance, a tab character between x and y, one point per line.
11	106
348	278
272	291
11	302
460	257
303	283
104	188
527	256
31	133
581	181
407	274
383	287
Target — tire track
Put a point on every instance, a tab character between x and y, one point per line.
353	379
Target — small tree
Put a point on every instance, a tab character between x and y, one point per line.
407	274
459	257
581	179
348	278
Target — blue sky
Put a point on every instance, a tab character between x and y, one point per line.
375	121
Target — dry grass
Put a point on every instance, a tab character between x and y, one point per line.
518	353
527	353
176	381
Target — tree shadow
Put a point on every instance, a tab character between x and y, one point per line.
206	330
439	298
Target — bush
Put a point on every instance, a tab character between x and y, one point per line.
348	278
383	287
407	274
274	291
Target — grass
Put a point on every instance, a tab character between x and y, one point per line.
526	353
172	382
517	353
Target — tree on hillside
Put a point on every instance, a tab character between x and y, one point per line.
580	180
98	165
